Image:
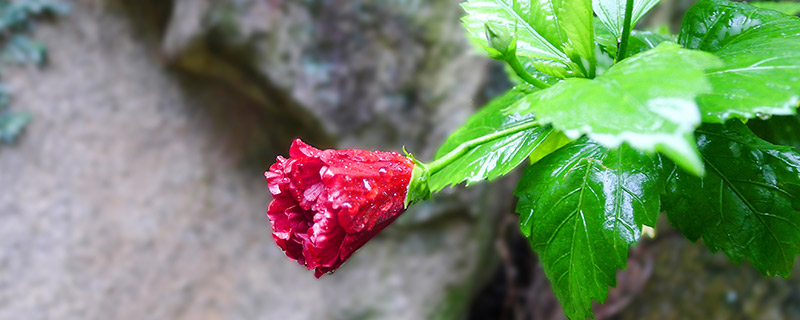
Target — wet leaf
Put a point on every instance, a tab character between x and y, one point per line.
567	25
760	50
493	158
639	41
612	13
575	17
545	70
783	130
514	17
553	142
632	102
790	8
747	205
581	208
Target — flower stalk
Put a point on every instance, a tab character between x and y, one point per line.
466	146
503	47
626	31
513	62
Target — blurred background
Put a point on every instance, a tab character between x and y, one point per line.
137	192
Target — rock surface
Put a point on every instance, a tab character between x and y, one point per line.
137	191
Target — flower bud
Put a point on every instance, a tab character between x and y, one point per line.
502	44
328	203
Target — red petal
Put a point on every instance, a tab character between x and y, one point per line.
325	239
327	204
300	149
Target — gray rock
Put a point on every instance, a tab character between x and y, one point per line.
137	191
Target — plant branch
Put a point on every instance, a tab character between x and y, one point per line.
466	146
522	73
626	31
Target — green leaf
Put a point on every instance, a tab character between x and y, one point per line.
760	50
567	25
606	47
493	158
38	7
513	16
544	18
790	8
15	18
575	17
553	142
21	49
11	124
710	25
645	100
748	204
639	41
17	14
582	207
604	38
545	70
612	13
783	130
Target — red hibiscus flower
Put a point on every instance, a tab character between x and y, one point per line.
328	203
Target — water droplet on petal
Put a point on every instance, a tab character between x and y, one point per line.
325	173
382	171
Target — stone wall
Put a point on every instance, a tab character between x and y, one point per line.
137	191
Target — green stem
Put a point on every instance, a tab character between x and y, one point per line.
626	31
581	68
520	71
466	146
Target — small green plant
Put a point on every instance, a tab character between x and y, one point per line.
16	20
620	125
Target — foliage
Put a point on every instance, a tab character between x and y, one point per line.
664	113
496	157
790	8
16	19
758	53
747	205
581	207
612	13
620	125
